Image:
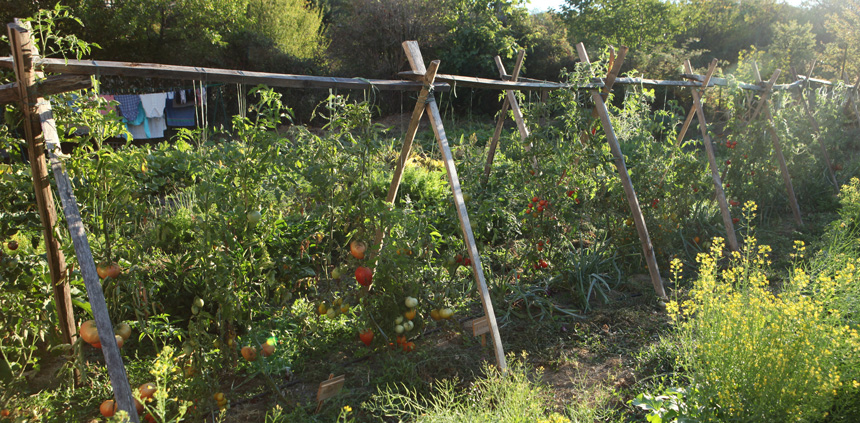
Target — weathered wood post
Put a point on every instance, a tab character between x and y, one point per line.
24	54
416	61
43	129
712	159
629	191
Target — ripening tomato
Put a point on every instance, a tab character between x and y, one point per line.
108	270
108	408
147	390
364	276
357	249
267	349
366	336
89	332
123	330
410	314
249	353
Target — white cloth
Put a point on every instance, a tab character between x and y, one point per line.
153	105
156	127
138	132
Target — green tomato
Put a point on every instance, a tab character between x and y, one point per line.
399	328
411	302
254	217
198	302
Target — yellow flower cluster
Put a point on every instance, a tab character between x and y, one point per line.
758	355
555	418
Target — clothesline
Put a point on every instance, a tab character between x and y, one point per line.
148	115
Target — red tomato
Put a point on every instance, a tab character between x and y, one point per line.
366	336
364	276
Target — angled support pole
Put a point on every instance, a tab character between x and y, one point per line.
416	61
41	131
510	102
24	54
632	200
686	125
815	128
712	159
777	148
408	139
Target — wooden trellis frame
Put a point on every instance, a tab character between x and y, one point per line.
629	191
815	128
40	131
777	148
31	88
416	62
509	102
712	160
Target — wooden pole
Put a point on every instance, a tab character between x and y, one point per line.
44	130
686	125
408	139
25	54
629	191
113	359
500	123
416	61
777	148
53	84
712	160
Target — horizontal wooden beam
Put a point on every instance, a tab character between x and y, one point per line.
154	70
54	84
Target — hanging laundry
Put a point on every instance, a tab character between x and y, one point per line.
178	116
156	127
139	127
153	104
200	96
128	106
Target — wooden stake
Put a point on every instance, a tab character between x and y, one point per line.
500	123
408	139
632	200
38	113
777	148
686	125
712	160
25	53
413	53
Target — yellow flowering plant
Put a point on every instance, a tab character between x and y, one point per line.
752	354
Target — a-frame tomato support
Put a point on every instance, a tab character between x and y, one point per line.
626	183
712	159
427	101
41	133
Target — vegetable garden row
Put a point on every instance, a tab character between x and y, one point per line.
279	245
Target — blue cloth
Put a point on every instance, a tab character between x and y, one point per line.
179	116
133	126
129	106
